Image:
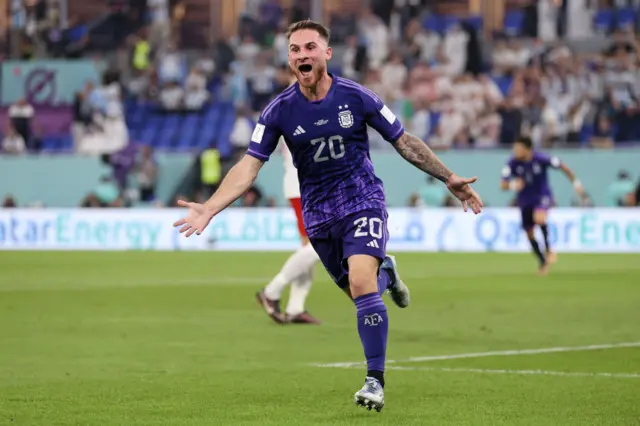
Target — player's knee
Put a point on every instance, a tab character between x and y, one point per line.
363	275
361	284
540	218
530	234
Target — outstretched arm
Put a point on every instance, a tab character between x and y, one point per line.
416	152
577	185
237	182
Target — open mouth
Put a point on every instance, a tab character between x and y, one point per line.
305	69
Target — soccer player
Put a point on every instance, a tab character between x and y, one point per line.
324	119
526	174
298	269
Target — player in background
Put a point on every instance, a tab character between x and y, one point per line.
526	174
298	269
324	119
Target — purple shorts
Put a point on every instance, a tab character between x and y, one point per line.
364	232
542	204
527	215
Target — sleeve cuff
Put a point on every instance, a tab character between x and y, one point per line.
395	137
258	155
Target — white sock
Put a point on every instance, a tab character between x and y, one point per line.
298	264
300	288
273	290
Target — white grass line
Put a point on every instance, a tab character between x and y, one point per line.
518	372
514	352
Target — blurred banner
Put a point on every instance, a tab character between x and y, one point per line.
571	230
47	82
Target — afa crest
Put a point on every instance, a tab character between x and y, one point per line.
345	118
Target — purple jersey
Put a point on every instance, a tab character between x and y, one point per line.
537	191
330	148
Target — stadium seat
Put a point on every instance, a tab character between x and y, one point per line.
66	142
226	126
475	22
513	22
432	23
586	133
447	21
503	83
625	18
148	135
602	21
434	120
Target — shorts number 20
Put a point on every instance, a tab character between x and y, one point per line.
336	148
375	227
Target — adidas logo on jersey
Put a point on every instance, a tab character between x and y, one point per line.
299	131
373	243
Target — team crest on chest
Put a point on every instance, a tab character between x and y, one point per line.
345	118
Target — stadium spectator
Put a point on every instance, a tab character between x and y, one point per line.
252	198
21	116
392	77
172	65
147	174
140	52
450	125
603	135
172	96
242	130
620	191
160	22
634	198
107	191
196	94
9	202
107	133
419	44
90	201
432	194
454	49
354	58
261	81
13	142
376	35
246	53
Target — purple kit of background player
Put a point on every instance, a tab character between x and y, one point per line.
526	173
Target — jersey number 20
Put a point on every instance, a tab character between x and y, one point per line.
336	148
375	227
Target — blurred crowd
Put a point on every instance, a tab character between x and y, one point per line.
452	85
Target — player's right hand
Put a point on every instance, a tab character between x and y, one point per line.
196	221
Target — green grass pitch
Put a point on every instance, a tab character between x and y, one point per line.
143	338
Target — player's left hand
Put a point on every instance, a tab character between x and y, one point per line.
461	188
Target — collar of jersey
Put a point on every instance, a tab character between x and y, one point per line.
326	98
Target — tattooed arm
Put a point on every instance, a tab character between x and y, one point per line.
416	152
